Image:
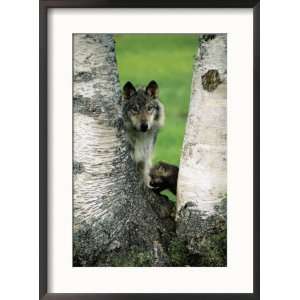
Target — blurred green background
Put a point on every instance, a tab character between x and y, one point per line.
167	59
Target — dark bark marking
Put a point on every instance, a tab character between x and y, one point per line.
207	37
84	76
210	80
77	167
88	106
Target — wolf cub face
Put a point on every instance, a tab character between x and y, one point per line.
158	174
142	106
164	176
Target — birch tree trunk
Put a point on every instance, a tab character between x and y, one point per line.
116	219
202	180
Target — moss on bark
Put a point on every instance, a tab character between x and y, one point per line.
204	237
206	247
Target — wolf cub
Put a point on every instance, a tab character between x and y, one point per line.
143	115
164	177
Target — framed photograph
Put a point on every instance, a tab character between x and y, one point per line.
149	150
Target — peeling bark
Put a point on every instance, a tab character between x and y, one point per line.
202	180
116	219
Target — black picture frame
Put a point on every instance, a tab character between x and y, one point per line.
43	144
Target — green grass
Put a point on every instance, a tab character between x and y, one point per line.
168	59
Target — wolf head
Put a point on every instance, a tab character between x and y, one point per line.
162	172
142	108
158	173
164	176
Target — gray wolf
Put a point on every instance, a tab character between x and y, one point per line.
163	176
143	116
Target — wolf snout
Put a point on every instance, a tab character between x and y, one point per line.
144	127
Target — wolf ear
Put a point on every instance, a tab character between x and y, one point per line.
161	166
152	89
128	90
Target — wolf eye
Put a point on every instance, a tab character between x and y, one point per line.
134	109
150	108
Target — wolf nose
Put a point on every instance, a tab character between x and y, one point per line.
144	127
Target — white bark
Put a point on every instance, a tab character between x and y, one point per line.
202	180
95	140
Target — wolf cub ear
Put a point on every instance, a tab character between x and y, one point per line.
128	90
152	89
161	166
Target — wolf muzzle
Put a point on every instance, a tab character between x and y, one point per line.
144	127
